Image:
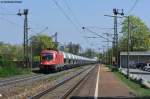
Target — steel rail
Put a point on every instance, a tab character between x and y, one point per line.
20	79
42	93
68	92
14	78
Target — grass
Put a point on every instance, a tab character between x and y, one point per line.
9	71
139	90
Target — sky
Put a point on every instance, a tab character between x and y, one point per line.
67	17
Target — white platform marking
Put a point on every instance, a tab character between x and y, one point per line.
0	95
97	83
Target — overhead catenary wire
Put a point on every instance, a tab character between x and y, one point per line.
41	31
76	26
4	9
75	18
101	28
9	13
71	21
11	22
95	33
18	25
133	7
72	13
65	14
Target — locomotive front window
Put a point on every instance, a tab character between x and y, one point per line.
47	57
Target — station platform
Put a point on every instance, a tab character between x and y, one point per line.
111	86
102	84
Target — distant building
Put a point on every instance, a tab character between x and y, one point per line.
61	48
134	57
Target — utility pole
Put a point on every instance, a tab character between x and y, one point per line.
115	11
55	36
108	59
25	38
99	55
128	47
104	54
115	38
128	43
108	54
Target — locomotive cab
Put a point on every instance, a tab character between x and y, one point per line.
50	60
46	57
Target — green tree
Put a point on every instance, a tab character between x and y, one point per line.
73	48
89	53
139	35
17	52
10	53
40	42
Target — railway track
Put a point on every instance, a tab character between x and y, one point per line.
42	93
19	79
71	90
15	80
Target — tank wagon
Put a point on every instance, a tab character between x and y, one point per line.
58	60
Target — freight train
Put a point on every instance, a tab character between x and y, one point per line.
58	60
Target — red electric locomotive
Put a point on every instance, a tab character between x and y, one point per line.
57	60
51	60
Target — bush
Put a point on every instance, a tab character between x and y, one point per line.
112	68
5	62
7	71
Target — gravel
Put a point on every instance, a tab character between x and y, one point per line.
29	88
60	91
